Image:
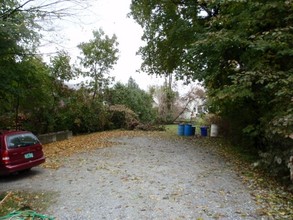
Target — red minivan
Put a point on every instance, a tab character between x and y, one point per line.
19	151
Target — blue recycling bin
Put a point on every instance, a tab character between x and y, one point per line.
187	130
181	129
204	131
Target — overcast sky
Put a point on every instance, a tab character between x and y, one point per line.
111	16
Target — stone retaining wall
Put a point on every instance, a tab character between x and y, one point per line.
56	136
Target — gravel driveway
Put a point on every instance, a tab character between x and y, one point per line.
142	178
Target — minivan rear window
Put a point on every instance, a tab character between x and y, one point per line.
21	140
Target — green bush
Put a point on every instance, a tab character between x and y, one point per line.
123	117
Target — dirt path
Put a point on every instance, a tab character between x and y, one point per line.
142	178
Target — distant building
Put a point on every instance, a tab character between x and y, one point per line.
194	109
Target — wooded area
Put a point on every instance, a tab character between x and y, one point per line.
241	52
34	94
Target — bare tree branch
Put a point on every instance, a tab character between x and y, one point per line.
9	12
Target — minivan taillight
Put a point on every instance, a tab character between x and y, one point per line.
5	156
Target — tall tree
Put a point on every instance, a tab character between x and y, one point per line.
242	50
17	39
165	98
134	98
99	56
167	33
61	68
24	77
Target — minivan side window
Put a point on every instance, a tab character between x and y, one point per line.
21	140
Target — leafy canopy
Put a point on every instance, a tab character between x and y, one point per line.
131	96
99	55
241	50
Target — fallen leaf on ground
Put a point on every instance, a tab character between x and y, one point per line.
56	151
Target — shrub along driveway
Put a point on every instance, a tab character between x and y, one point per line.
140	176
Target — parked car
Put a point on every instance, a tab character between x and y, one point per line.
19	151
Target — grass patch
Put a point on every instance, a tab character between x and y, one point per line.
171	129
20	201
230	151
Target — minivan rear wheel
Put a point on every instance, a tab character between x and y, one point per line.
25	171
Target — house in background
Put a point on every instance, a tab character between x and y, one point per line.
193	109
